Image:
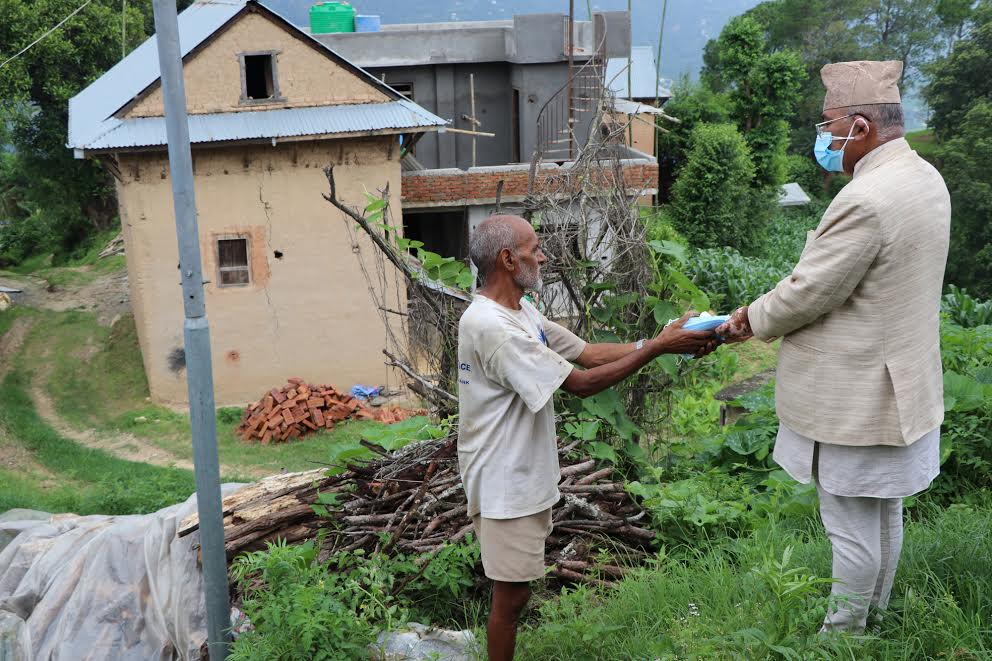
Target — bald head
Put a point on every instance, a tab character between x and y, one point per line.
494	235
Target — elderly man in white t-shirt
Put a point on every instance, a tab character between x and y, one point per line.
511	361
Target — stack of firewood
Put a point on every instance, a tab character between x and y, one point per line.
299	408
415	497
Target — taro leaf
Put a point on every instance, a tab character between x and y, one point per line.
604	335
762	399
635	453
984	375
601	314
625	426
669	248
962	393
747	441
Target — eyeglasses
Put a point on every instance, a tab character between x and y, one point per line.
819	127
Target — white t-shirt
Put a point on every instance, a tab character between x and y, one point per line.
510	363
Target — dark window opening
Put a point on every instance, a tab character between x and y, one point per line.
406	89
442	232
232	262
515	127
259	81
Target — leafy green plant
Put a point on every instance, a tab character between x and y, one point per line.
305	609
964	310
795	598
446	270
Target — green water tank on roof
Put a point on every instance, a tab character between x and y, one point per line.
328	17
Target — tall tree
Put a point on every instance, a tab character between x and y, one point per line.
62	199
960	94
764	90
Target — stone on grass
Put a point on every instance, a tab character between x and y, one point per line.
418	642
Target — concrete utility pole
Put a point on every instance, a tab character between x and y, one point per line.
196	333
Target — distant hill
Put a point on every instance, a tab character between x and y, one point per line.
689	24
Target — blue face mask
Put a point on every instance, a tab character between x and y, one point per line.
831	160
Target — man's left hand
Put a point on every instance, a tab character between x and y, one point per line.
737	328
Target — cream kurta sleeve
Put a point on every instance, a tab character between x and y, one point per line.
844	246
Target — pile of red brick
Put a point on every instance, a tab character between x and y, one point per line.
298	409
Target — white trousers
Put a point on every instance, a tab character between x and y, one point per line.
866	536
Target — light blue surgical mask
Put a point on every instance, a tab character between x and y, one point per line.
831	160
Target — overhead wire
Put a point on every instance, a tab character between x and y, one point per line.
39	39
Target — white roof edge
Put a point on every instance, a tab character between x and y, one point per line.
91	110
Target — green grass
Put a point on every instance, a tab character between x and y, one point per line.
97	381
86	480
77	271
697	603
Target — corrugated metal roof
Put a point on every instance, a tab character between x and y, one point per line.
93	126
265	124
90	111
643	75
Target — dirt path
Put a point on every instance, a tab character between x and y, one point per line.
120	444
107	295
14	456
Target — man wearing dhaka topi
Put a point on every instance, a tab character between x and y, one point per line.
859	390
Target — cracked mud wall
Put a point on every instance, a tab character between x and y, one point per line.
306	313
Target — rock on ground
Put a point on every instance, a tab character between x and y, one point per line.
422	643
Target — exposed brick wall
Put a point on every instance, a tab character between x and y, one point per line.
457	187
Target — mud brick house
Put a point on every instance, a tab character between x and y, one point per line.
269	107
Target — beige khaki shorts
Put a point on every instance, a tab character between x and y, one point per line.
513	549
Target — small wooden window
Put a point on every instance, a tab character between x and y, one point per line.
232	262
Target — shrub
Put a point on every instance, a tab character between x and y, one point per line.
693	104
713	202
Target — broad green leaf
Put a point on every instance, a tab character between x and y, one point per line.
663	311
965	392
669	248
601	451
670	364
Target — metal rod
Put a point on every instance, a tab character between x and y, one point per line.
448	129
570	41
196	333
471	91
630	65
657	61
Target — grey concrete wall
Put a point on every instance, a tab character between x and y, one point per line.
528	39
527	54
445	91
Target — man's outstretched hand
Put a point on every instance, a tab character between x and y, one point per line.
737	328
675	339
